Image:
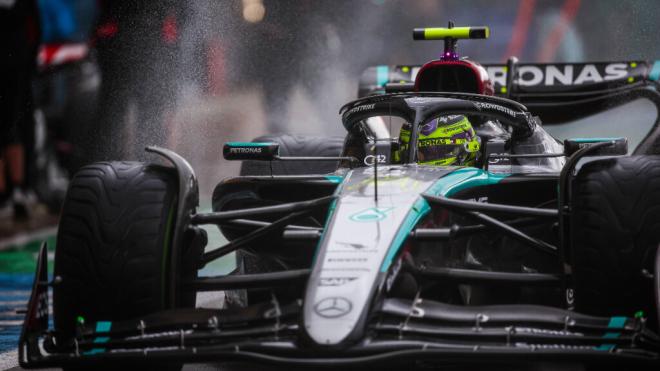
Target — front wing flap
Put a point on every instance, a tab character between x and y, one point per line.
399	329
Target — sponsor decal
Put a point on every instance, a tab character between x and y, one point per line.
392	276
245	150
347	260
346	269
451	119
532	330
333	307
570	297
372	214
351	244
562	75
369	160
362	108
495	107
553	346
496	160
349	247
335	281
432	142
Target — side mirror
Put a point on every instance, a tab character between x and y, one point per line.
618	147
250	151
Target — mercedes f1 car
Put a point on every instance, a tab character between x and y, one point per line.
541	251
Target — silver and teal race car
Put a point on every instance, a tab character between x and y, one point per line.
356	253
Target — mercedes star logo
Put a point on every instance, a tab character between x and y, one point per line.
333	307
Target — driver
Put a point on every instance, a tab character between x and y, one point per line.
447	140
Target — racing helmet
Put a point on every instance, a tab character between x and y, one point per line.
445	141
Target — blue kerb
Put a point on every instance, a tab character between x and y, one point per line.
382	75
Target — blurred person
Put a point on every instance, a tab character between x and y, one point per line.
273	55
136	43
19	40
65	88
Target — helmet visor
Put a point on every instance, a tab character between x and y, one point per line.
429	153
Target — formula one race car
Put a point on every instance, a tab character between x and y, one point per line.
537	251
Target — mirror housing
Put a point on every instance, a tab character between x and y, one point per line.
265	151
619	146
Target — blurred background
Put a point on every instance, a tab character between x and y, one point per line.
88	80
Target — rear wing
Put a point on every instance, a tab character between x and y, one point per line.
553	91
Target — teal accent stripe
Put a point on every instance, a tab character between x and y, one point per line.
605	347
334	178
103	326
249	144
594	140
94	351
419	210
655	71
331	210
447	186
382	75
463	179
608	347
617	322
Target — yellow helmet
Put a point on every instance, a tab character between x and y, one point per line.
447	140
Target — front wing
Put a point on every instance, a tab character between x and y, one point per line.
398	330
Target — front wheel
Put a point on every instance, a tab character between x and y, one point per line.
114	243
